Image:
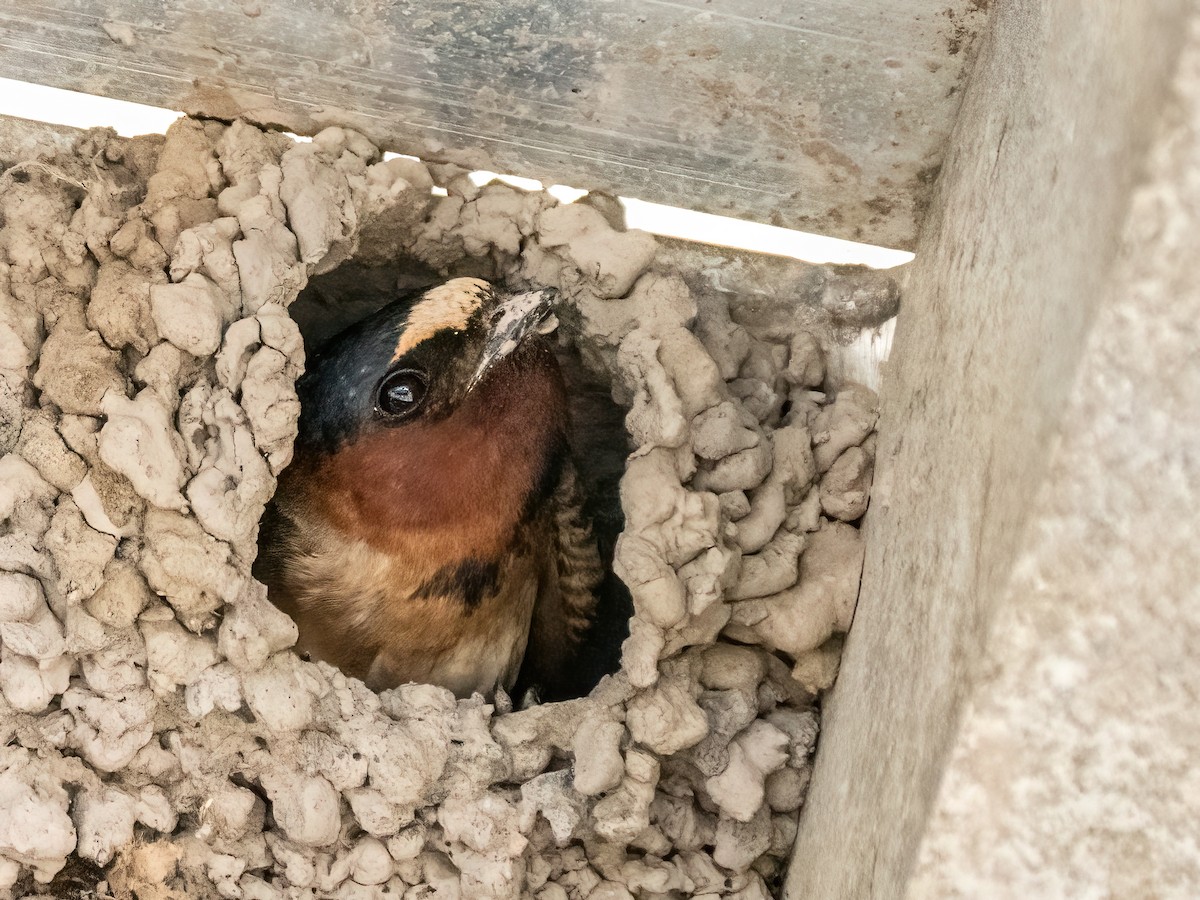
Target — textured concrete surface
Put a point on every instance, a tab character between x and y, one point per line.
1015	263
1074	773
824	115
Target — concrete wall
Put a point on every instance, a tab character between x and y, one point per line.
1075	770
995	385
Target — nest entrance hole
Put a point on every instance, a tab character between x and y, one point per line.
337	299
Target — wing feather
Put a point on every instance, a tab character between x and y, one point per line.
566	601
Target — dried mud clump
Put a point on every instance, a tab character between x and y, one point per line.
158	731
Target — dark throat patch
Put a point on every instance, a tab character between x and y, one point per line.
470	581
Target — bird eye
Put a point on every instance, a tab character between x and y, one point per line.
401	393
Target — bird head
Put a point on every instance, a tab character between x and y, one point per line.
461	347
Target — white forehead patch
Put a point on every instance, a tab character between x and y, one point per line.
448	305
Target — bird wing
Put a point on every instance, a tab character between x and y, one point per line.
566	598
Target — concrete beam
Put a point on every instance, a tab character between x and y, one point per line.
997	515
824	115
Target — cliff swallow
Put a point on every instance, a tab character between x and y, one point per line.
428	528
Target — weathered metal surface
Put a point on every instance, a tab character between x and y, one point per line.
826	115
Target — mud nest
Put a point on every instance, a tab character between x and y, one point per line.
160	735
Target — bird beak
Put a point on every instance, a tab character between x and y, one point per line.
514	320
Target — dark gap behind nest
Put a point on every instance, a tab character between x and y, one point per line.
600	444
